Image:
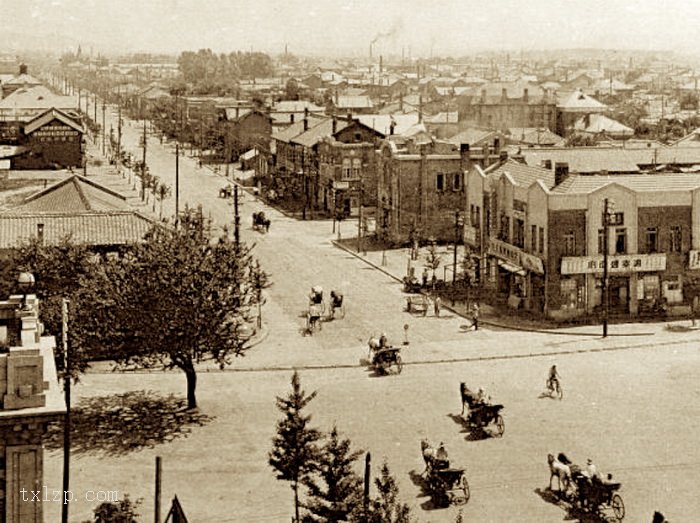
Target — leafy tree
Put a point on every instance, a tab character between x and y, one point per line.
164	191
122	511
294	452
432	260
59	271
292	89
177	299
386	508
337	493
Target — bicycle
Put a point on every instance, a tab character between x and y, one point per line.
554	388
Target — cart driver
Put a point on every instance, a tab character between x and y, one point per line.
441	457
383	341
316	296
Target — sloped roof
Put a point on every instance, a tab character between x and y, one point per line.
296	106
472	136
288	133
235	113
92	228
353	102
522	174
442	117
49	116
599	123
22	79
382	122
578	101
635	182
319	131
37	97
585	159
74	194
534	136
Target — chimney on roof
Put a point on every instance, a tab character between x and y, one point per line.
22	69
349	116
464	156
336	97
237	112
291	118
306	123
526	96
306	112
561	173
504	94
392	126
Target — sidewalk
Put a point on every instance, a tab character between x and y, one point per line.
396	262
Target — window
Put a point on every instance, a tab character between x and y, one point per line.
675	239
601	241
569	293
651	237
457	182
346	173
541	238
440	182
533	238
569	244
358	137
620	241
356	166
519	233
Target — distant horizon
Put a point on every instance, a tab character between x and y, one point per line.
348	27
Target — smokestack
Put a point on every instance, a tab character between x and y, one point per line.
561	172
525	95
420	108
22	69
370	50
306	124
381	63
349	116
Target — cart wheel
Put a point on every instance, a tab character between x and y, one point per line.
399	363
464	486
500	425
618	507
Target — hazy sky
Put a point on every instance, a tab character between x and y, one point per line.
449	26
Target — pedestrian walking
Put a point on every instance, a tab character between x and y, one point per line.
425	277
475	316
436	305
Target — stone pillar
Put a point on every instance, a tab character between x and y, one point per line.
633	296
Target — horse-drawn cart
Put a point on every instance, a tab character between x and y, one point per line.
481	414
446	485
417	305
383	359
597	496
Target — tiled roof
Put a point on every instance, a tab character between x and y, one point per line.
296	106
522	174
23	79
580	184
471	136
443	117
92	228
74	194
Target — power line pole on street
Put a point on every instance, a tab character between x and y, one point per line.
104	128
177	182
237	218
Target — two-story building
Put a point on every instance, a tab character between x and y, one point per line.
420	187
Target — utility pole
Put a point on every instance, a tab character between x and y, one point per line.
608	209
236	217
365	497
156	515
104	129
177	182
66	390
119	138
359	217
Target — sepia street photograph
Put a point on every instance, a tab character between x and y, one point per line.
349	261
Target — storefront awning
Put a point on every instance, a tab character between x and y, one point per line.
511	268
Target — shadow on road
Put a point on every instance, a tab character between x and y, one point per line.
121	423
573	513
472	433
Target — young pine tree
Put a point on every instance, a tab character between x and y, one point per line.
337	491
386	508
294	452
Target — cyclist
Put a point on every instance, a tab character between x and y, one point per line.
553	378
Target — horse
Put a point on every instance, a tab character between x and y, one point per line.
467	397
560	468
261	222
373	344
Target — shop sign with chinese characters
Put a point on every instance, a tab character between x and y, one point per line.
617	263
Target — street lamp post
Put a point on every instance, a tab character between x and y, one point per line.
608	213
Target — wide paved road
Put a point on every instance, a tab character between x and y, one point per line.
634	412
